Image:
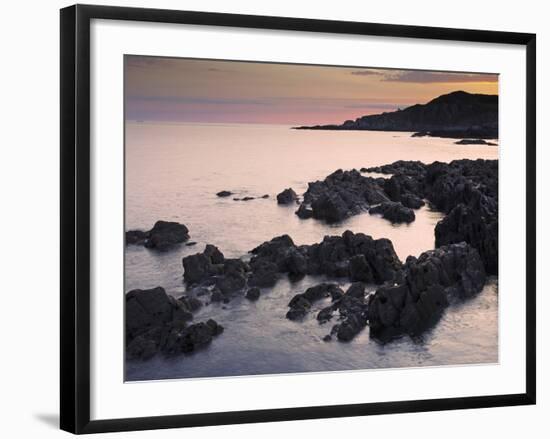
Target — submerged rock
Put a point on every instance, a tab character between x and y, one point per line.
163	236
287	196
224	194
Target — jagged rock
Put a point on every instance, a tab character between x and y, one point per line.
326	313
231	282
156	322
340	195
412	201
163	236
147	309
287	196
264	274
202	266
197	336
301	303
333	257
356	290
449	273
394	212
360	269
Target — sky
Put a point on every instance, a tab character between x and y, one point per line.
212	91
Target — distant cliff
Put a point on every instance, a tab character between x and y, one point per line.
458	114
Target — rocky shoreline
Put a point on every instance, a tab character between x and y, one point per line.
455	115
408	297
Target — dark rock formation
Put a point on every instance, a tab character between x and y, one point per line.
340	195
287	196
190	302
466	191
437	277
394	212
224	194
253	294
163	236
475	142
301	303
352	308
303	212
265	196
202	266
147	309
458	114
156	322
356	255
247	198
413	168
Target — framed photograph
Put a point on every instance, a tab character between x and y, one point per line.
268	218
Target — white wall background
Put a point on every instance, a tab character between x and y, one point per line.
29	181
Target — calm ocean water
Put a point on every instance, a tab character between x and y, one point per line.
173	172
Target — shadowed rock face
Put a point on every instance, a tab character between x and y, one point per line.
157	322
431	282
458	114
163	236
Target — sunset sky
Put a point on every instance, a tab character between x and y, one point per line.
190	90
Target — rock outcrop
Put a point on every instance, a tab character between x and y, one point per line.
394	212
287	196
157	322
437	278
340	195
466	191
163	236
350	255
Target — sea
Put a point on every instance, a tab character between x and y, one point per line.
173	172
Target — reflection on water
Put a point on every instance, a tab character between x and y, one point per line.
173	172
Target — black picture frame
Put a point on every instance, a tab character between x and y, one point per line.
75	217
